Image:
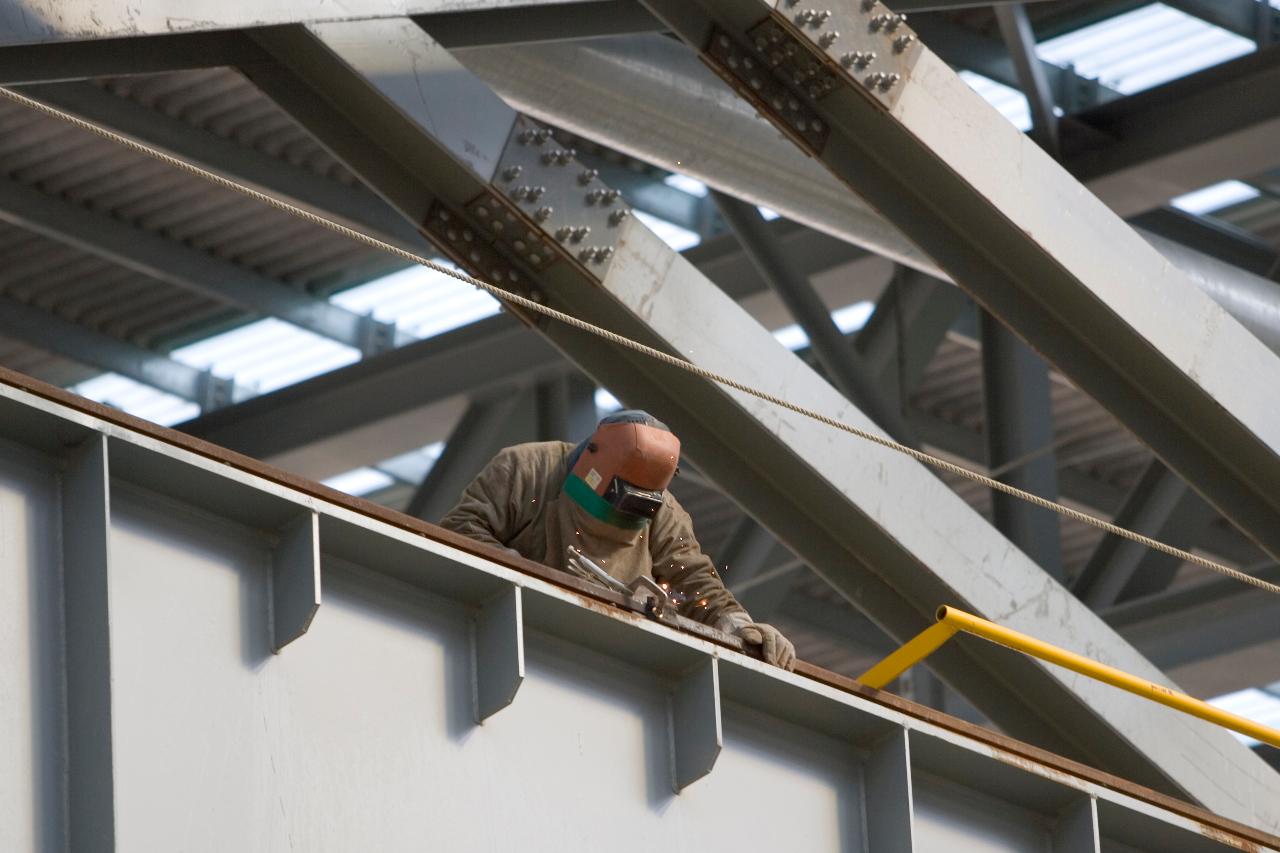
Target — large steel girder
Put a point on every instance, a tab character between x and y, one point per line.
1013	228
892	538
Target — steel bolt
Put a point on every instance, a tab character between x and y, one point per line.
594	196
563	232
618	216
535	258
610	196
894	21
824	16
586	254
527	136
901	43
580	233
828	39
535	193
543	213
520	192
510	173
587	176
604	254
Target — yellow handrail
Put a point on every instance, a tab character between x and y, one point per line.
951	621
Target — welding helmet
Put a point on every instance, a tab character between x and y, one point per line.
619	474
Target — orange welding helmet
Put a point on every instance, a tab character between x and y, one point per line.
619	474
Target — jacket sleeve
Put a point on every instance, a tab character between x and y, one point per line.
487	510
678	560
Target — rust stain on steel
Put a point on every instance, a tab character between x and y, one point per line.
613	604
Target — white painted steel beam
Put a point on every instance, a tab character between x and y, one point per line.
653	100
881	529
363	733
34	21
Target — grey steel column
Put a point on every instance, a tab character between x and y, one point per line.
1019	425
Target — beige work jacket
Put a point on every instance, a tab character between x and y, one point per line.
515	502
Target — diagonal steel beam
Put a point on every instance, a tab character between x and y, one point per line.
1015	27
153	255
887	117
652	99
1160	505
54	21
843	366
487	426
893	551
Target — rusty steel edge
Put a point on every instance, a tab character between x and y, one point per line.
1007	749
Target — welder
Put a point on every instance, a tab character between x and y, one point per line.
605	502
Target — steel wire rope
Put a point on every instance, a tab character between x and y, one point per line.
620	340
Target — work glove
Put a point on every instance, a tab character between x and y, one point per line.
776	649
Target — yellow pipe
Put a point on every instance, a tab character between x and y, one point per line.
916	649
957	620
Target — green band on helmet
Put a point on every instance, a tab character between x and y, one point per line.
597	507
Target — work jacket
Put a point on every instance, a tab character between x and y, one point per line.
515	502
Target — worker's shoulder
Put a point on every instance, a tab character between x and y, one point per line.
536	453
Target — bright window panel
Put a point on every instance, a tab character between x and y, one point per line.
1144	48
1215	197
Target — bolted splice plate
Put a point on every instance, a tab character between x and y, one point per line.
570	206
864	38
473	248
778	81
801	53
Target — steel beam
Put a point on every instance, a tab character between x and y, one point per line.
1161	506
44	21
1252	19
50	332
487	426
1033	80
551	22
843	366
1138	152
880	528
566	408
153	255
483	356
110	57
1019	431
922	149
911	319
653	100
1045	256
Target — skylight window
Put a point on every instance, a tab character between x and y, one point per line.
143	401
267	355
1215	197
360	482
684	183
848	319
420	301
1261	706
1144	48
1010	103
673	235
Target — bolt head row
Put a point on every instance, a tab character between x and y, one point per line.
559	157
595	254
534	136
